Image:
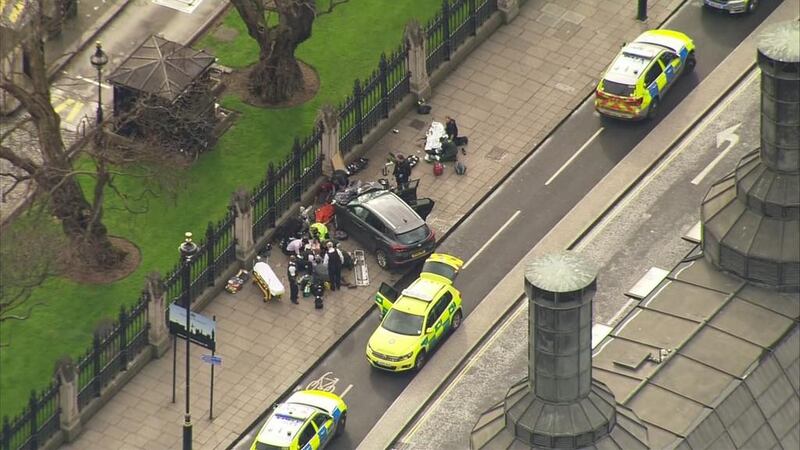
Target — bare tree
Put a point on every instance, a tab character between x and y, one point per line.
277	76
51	166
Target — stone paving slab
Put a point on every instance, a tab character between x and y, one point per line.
506	96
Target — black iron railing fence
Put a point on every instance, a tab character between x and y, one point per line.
451	27
372	101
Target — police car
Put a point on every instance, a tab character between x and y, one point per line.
732	6
635	83
308	420
415	321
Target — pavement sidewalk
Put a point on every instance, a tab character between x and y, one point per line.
506	96
80	31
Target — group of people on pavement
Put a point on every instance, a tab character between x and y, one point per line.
447	152
313	262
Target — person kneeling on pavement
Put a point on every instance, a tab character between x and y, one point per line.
447	152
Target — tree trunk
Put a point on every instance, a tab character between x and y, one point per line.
277	76
82	225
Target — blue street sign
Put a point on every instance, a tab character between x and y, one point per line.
212	359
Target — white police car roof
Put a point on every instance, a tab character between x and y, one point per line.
631	62
284	424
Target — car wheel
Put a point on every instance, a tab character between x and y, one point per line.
653	111
341	425
691	61
752	6
456	320
382	258
422	358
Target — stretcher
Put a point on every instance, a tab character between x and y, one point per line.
433	138
266	280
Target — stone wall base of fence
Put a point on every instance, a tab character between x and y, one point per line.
71	431
134	367
159	348
509	9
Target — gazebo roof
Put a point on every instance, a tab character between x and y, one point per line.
161	67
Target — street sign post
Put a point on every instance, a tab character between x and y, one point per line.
212	359
203	332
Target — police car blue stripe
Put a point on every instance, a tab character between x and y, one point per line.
683	53
653	89
336	413
307	447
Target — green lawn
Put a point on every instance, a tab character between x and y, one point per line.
345	45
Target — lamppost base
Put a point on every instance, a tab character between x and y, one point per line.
187	434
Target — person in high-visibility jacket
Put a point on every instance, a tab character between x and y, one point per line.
319	231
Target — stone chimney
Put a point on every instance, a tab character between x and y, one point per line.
559	405
751	218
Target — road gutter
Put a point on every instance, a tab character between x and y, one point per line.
568	233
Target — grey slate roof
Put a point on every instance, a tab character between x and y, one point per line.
161	67
729	370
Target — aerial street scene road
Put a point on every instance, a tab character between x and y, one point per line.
405	225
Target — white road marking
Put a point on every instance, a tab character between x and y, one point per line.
583	147
88	80
346	390
729	136
486	244
327	382
597	229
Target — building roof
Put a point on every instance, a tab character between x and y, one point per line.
708	360
162	67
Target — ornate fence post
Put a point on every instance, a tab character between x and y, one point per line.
328	119
96	384
473	18
70	418
243	224
6	443
297	169
33	410
357	100
509	9
383	68
211	242
271	207
124	322
157	334
414	37
446	46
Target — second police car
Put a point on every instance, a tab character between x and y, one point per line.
307	420
415	321
732	6
644	70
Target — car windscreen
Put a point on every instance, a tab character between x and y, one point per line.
403	323
439	268
623	90
414	236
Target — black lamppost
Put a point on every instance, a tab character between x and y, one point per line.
99	59
188	250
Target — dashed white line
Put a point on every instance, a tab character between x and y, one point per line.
486	244
346	390
580	150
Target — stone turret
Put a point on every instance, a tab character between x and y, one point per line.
751	218
559	405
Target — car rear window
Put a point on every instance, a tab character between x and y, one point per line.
623	90
439	268
413	236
